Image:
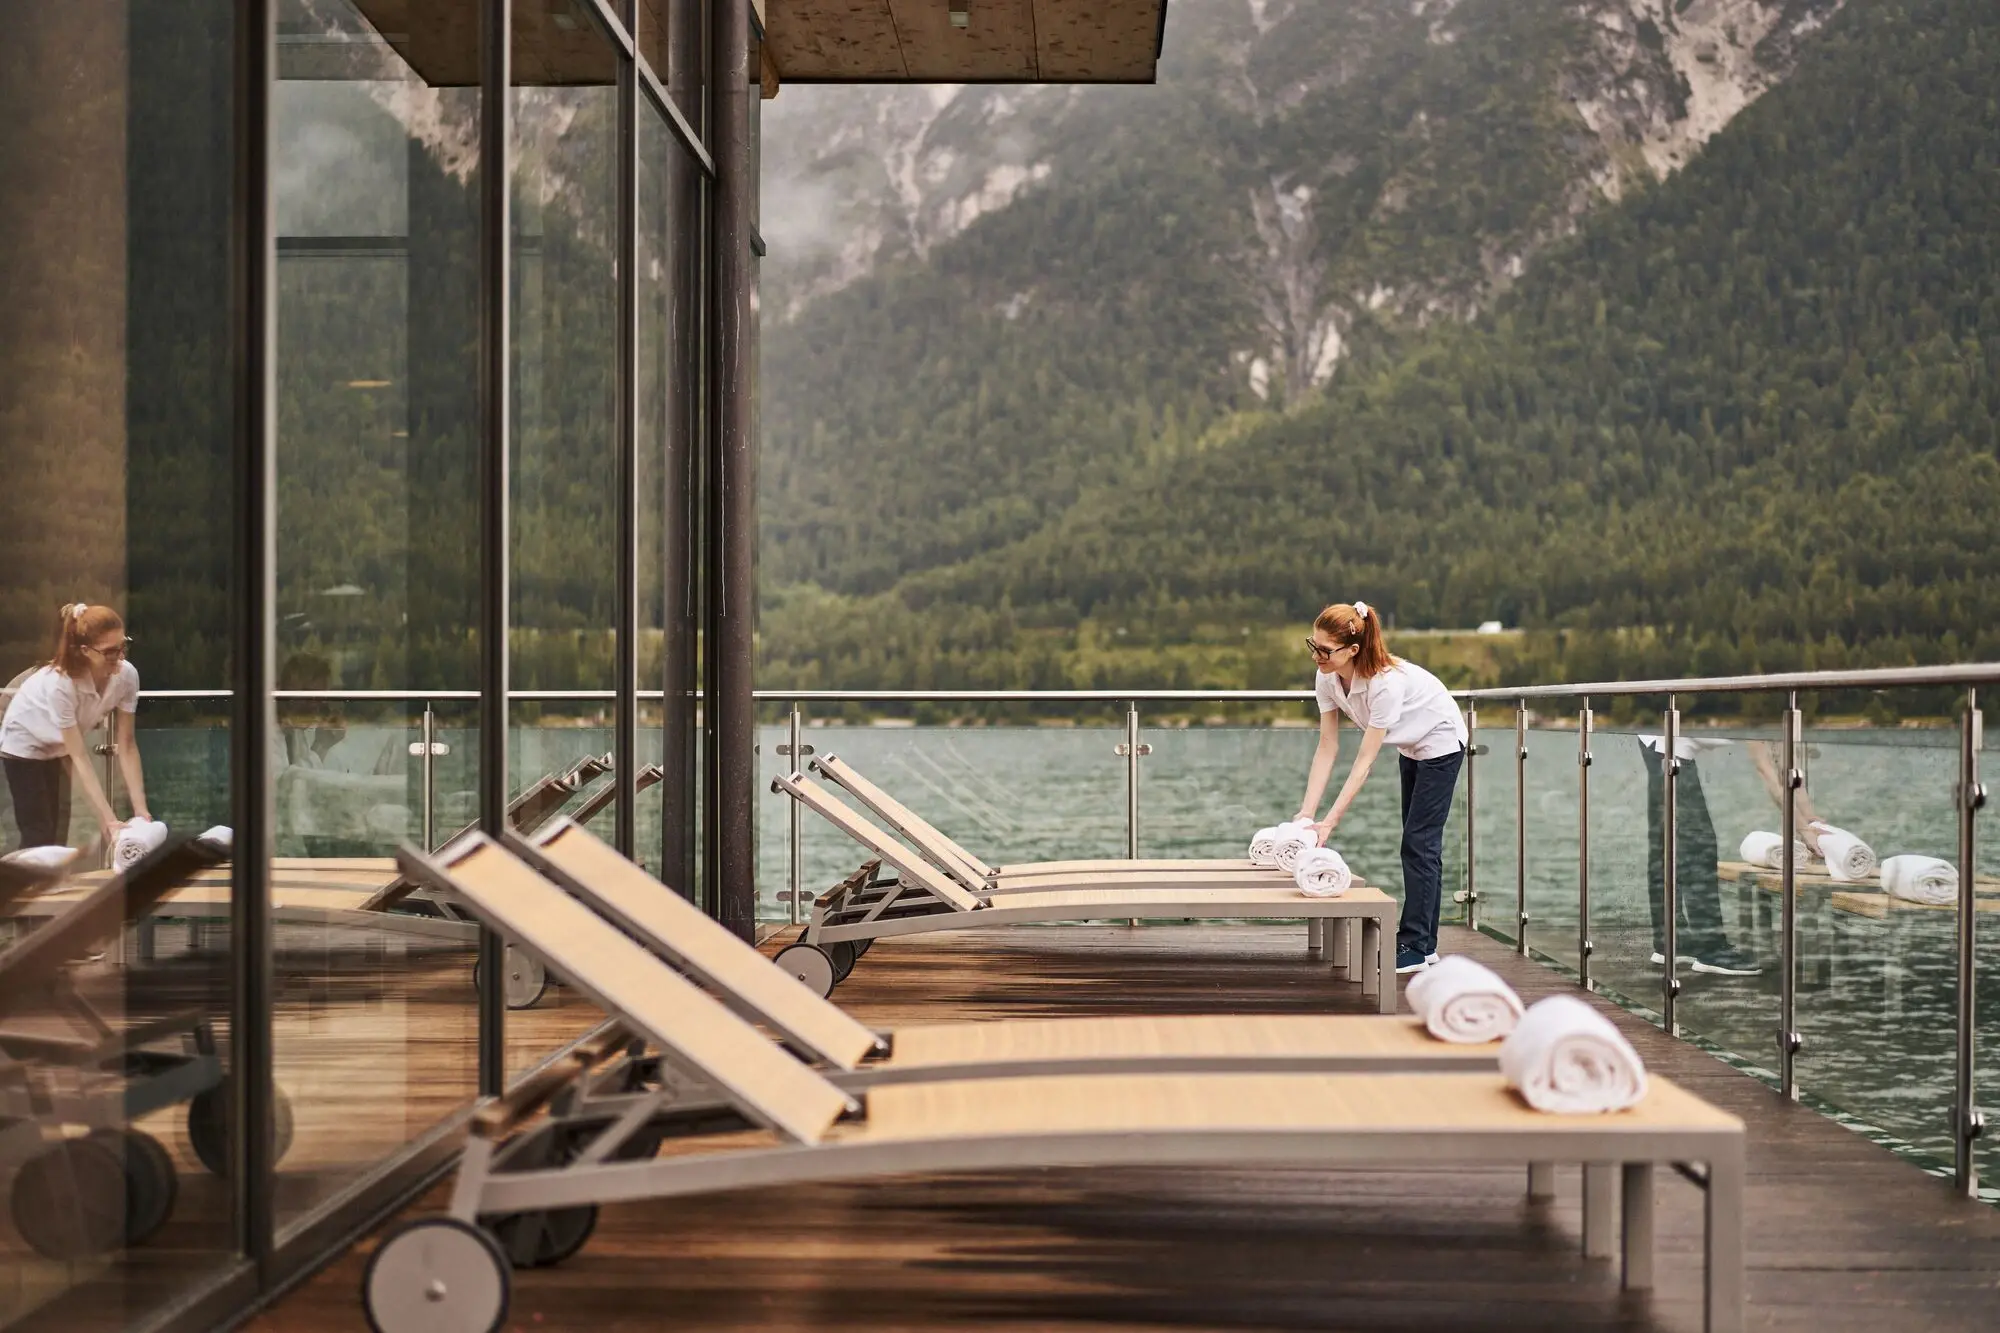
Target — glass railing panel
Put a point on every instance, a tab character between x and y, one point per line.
1986	1046
1552	841
1492	795
1877	971
1624	853
1008	793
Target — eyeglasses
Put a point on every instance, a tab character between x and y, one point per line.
1319	650
116	652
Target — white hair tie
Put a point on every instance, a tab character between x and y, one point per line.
1361	609
76	610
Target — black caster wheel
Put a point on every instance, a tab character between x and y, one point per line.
812	965
151	1182
844	956
436	1273
526	980
544	1237
69	1200
861	949
208	1127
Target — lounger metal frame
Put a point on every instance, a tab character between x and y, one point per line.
921	899
515	1168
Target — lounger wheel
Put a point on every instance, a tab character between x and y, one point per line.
70	1200
861	949
812	965
544	1237
436	1273
844	955
208	1127
525	982
151	1182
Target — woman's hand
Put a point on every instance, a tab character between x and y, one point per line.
1324	828
1302	817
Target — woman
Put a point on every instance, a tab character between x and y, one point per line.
41	737
1401	703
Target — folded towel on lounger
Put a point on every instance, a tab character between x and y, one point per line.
1322	873
1768	850
41	858
1294	842
1463	1001
1564	1056
221	837
1920	879
1847	857
133	841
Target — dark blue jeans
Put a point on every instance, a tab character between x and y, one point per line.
1427	788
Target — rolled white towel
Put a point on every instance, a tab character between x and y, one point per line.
41	858
1294	842
221	837
1847	857
1920	879
1264	845
1564	1056
1768	850
1323	873
1461	1000
134	840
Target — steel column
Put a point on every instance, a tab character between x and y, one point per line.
625	711
1471	817
1521	829
495	403
1585	723
1967	1121
731	422
1788	910
254	617
1670	768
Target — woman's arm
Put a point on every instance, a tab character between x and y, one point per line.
1364	759
86	778
1803	814
1322	766
128	764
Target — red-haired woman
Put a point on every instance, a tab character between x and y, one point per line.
41	739
1406	706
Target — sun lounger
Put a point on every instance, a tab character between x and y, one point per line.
984	878
924	899
528	1186
64	1066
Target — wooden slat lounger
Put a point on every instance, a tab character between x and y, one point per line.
925	899
985	878
786	1123
856	1056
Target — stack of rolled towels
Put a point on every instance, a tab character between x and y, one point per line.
1847	857
1265	845
1920	879
1565	1057
1463	1001
134	841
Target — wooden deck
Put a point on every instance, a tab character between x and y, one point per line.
1842	1235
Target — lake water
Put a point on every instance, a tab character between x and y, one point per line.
1876	994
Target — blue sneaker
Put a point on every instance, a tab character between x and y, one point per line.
1411	960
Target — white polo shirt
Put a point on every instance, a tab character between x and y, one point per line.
50	700
1413	708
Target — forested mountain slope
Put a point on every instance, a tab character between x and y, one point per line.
1752	406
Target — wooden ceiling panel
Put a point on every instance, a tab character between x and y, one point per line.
998	43
1007	41
836	40
1098	41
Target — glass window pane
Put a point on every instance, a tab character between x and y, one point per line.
116	428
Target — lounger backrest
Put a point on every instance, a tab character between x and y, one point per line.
913	867
926	837
647	777
760	1078
697	943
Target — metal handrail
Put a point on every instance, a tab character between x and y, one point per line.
1883	678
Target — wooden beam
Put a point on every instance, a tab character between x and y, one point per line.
1107	41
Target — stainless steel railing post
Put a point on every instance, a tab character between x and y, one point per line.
1471	824
1670	769
1967	1121
1788	911
1521	828
1584	946
797	752
1132	751
430	778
